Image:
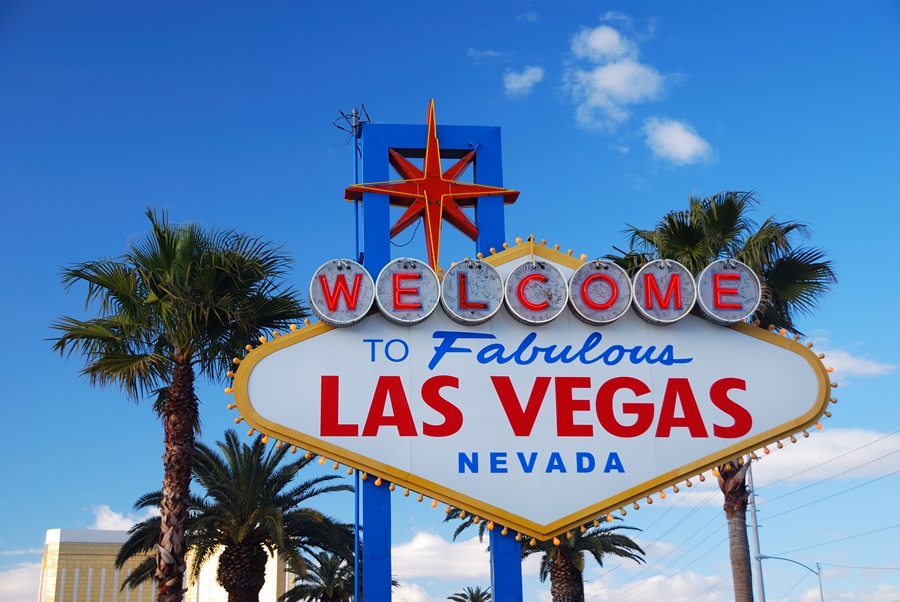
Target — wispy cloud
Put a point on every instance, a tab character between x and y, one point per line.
487	55
614	80
519	85
529	17
868	454
847	364
430	555
20	583
105	518
21	552
675	141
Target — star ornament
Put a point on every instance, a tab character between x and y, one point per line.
432	194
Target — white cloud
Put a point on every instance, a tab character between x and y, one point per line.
412	592
20	552
107	519
430	555
616	79
880	593
801	458
602	44
676	141
660	588
520	85
847	364
486	55
21	583
530	17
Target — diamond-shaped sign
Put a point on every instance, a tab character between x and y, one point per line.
538	428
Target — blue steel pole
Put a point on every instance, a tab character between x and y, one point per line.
356	543
355	129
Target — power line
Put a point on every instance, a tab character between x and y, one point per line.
825	543
709	588
802	577
723	540
820	481
868	568
827	461
822	499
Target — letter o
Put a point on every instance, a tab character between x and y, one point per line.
387	350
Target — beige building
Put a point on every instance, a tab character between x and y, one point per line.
79	566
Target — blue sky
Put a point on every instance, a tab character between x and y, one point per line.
611	113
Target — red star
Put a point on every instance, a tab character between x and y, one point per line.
432	194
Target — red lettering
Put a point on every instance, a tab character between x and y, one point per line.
329	423
679	389
651	292
341	289
521	421
431	395
642	411
566	406
389	386
718	291
464	303
520	293
743	421
399	291
614	292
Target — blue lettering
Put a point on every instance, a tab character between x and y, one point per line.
372	342
555	463
446	345
527	352
527	466
498	462
612	361
466	462
613	463
387	350
584	461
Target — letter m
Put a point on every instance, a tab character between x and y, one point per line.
652	292
341	289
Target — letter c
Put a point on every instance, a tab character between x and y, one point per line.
520	293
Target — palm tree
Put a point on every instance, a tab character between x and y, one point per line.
252	508
794	280
180	301
472	594
329	579
563	558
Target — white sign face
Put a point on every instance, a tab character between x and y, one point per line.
500	418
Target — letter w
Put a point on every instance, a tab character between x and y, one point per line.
521	421
341	289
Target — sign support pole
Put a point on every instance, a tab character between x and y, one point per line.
376	542
506	567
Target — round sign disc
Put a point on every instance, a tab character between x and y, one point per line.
471	292
536	292
599	292
341	293
407	291
664	292
728	292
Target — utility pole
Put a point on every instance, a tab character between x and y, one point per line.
760	587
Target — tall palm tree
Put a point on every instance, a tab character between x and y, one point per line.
472	594
180	302
251	508
563	557
794	281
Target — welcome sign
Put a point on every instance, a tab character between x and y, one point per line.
538	424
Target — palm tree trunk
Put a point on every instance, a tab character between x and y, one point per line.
732	482
566	581
242	571
180	416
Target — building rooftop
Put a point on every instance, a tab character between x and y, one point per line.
85	536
